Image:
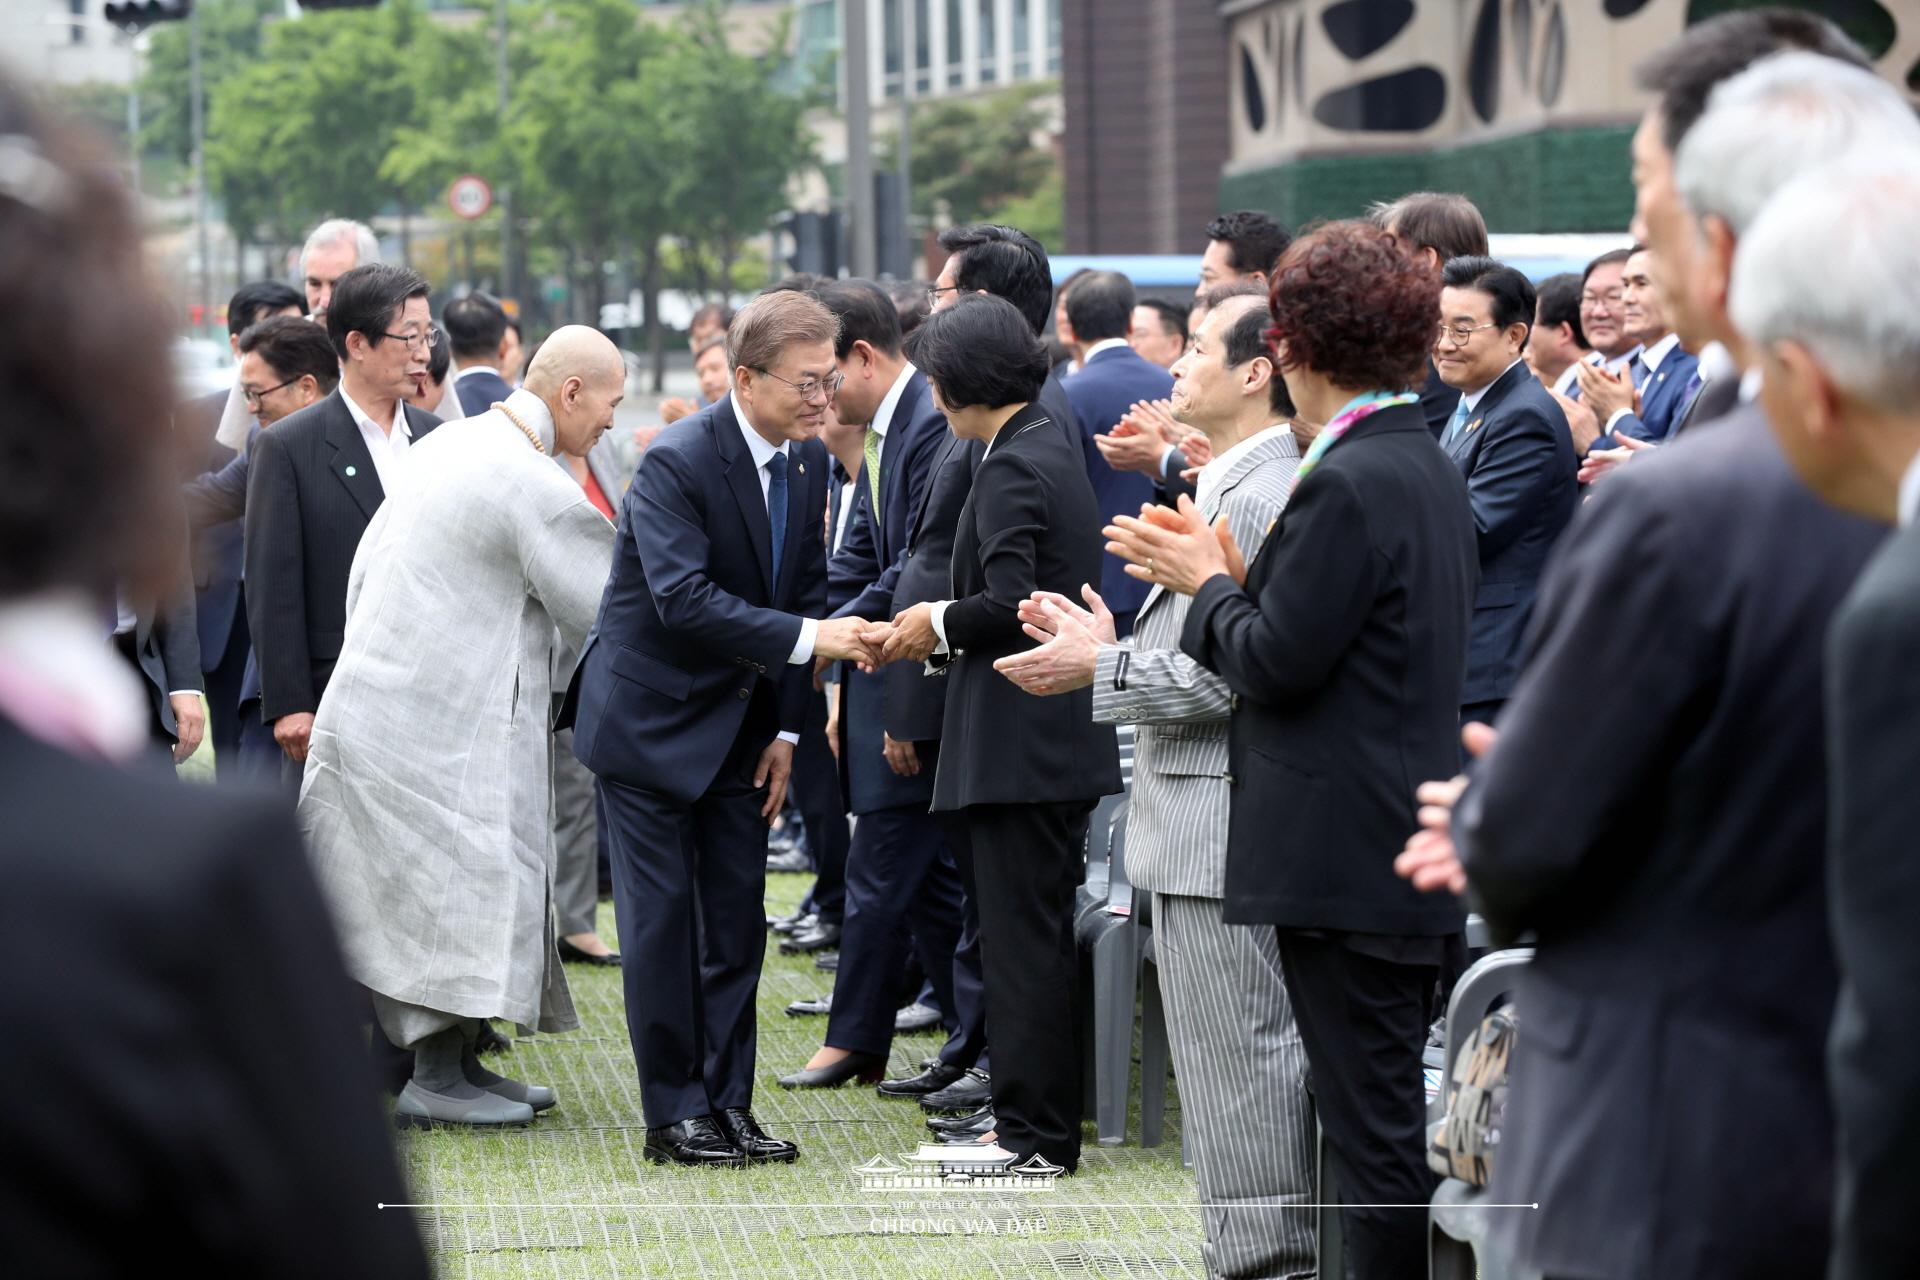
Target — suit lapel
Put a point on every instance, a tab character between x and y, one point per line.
933	481
744	479
352	464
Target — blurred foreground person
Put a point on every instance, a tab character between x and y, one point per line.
427	797
1666	847
201	1103
1842	358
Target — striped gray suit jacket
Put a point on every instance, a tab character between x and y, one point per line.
1177	818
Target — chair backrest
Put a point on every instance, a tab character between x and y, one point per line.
1488	981
1119	888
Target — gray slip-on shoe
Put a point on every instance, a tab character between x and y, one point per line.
417	1108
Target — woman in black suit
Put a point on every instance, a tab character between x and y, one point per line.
1345	643
1018	774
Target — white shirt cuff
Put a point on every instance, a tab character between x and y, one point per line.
803	647
784	736
1615	417
183	693
938	616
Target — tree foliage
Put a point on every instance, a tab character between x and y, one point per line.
976	156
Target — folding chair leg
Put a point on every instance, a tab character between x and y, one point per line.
1154	1051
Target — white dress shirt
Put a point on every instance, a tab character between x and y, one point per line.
1216	471
1910	493
843	515
60	682
389	447
763	453
1652	357
1472	399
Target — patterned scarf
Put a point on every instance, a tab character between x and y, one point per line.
1357	409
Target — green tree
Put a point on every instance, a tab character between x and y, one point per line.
973	156
232	33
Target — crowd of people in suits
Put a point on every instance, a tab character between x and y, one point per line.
1422	586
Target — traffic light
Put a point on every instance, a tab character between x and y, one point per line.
138	15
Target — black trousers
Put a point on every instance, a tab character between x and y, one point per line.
1364	1022
899	873
816	793
1020	863
689	886
224	678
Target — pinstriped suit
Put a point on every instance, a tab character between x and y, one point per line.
1235	1047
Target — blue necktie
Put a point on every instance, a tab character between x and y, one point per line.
1458	420
777	509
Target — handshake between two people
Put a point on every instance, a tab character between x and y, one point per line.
872	645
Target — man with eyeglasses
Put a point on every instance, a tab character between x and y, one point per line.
1510	441
691	692
1603	320
315	481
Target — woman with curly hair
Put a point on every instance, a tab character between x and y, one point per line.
1345	643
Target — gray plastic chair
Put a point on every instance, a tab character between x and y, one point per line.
1456	1224
1156	1050
1110	945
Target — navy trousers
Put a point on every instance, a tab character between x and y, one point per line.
903	890
816	793
689	889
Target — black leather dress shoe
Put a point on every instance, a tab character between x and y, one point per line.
809	1008
571	954
754	1141
934	1076
818	938
977	1123
491	1041
787	924
864	1067
827	961
969	1093
699	1141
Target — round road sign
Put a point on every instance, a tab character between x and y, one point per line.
470	196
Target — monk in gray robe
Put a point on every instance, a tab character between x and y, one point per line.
427	798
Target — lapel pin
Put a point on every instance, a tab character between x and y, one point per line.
1661	378
351	471
802	466
1474	425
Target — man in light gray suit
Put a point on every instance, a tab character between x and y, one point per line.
1241	1064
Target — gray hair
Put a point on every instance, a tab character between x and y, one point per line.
1780	118
366	246
1828	264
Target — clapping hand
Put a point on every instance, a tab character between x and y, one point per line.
1070	642
1175	549
1430	859
1128	448
1606	393
1155	417
1601	461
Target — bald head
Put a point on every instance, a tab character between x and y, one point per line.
578	372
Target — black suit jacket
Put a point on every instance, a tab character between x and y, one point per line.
216	544
1663	837
1517	455
861	578
916	702
157	1110
1344	652
1873	1065
311	492
691	645
1030	523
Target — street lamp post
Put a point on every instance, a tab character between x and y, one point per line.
863	244
199	108
503	188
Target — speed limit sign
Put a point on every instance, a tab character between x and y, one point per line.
470	196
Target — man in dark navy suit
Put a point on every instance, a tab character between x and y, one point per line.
690	695
476	325
1112	378
221	617
1661	378
1510	440
899	871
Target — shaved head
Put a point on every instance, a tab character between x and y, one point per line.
578	372
574	351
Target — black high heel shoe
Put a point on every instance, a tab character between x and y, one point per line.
867	1068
